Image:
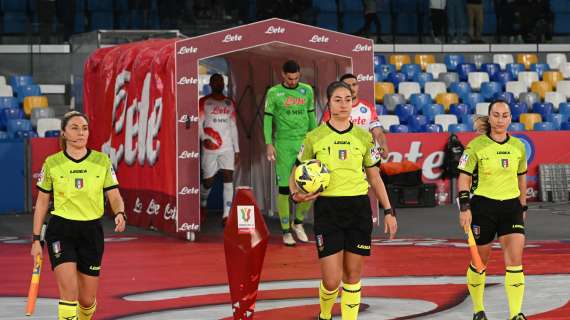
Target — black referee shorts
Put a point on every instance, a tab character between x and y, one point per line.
495	218
343	223
81	242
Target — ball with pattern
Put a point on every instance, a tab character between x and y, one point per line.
312	176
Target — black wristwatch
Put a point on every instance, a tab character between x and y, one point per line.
390	211
525	208
123	214
36	237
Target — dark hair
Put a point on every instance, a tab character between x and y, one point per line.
291	66
65	120
481	123
216	75
347	76
335	85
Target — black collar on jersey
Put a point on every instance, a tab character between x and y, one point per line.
337	131
77	160
286	87
499	142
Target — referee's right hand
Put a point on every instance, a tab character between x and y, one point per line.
36	249
465	219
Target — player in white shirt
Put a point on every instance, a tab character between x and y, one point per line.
219	140
364	115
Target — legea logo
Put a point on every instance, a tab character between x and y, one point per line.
185	50
364	77
232	38
319	39
275	30
184	80
362	47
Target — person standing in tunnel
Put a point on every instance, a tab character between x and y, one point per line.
290	107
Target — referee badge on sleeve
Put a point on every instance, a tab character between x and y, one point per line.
113	175
41	177
375	153
463	161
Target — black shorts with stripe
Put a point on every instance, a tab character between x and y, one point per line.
81	242
343	223
495	218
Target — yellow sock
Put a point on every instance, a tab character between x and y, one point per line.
86	313
350	301
327	299
476	286
514	285
67	310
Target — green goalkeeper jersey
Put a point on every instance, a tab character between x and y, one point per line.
291	109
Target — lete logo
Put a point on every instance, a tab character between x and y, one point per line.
153	208
169	212
189	155
362	48
232	38
187	190
364	77
275	30
184	80
319	39
189	227
188	119
185	50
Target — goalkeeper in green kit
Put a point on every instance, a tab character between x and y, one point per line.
290	106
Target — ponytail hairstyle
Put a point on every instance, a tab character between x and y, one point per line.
335	85
481	123
64	121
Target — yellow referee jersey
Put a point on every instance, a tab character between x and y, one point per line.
78	186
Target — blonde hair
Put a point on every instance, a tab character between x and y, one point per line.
64	121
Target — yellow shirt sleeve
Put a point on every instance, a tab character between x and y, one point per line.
110	176
45	183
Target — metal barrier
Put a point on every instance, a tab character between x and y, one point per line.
554	182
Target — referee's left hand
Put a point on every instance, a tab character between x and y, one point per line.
390	226
120	223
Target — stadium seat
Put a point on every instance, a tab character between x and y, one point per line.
47	124
432	128
14	125
38	113
540	87
527	59
564	68
380	109
529	98
381	89
398	60
458	127
539	68
436	68
448	78
419	100
557	119
34	102
556	98
7	114
490	89
565	126
6	91
460	88
445	120
424	60
422	78
529	119
482	108
404	112
459	110
396	78
555	59
378	60
416	122
514	69
515	126
468	120
477	78
563	87
430	111
517	109
544	109
544	126
503	59
434	88
516	87
392	100
490	68
28	90
52	133
446	99
472	99
410	70
502	77
2	81
17	81
479	60
384	71
552	77
399	128
8	102
4	135
453	60
463	70
408	88
564	108
388	120
25	134
506	96
528	77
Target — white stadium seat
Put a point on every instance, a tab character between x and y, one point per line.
516	88
503	59
6	91
433	88
408	88
482	108
564	68
387	120
528	77
564	88
555	59
2	81
46	124
436	68
476	78
445	120
555	98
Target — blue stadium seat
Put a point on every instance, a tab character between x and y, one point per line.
557	119
7	114
565	126
25	134
52	133
4	135
8	102
431	110
460	88
543	108
399	128
396	78
517	108
379	60
432	128
380	109
502	77
459	109
544	126
416	122
516	126
28	90
422	78
410	70
539	68
17	81
508	97
15	22
404	112
14	125
564	108
458	127
452	60
490	89
384	70
468	120
490	68
463	70
419	100
472	99
513	69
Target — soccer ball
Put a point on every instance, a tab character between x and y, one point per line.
312	176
